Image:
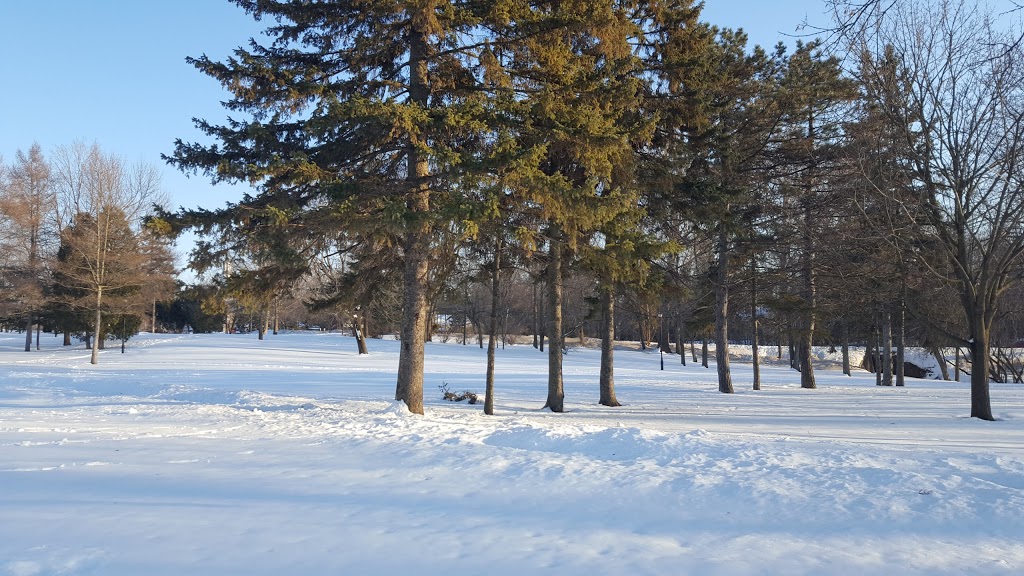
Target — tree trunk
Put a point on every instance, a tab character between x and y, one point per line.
67	338
887	350
39	332
492	342
877	357
152	321
28	332
535	317
901	351
360	335
754	356
409	387
607	348
97	324
956	364
693	351
981	403
940	359
681	345
722	314
846	350
543	315
556	394
704	351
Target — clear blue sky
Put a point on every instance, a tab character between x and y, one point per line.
114	72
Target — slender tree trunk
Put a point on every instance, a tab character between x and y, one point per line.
940	359
607	347
846	350
877	358
492	342
39	331
901	351
755	356
360	334
956	364
535	317
556	394
97	325
887	350
693	351
704	351
722	314
543	315
152	319
409	387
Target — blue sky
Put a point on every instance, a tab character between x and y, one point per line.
114	72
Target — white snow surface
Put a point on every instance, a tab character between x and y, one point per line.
221	454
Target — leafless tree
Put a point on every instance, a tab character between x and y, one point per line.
958	101
101	203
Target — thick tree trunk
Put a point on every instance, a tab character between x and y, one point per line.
981	403
28	332
409	387
556	395
722	315
607	348
901	350
492	342
67	338
887	350
360	334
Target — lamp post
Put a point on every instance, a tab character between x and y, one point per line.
661	341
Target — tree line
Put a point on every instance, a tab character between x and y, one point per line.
417	163
75	256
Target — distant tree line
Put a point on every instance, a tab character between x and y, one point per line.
75	257
622	170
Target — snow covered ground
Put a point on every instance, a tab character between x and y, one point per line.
215	454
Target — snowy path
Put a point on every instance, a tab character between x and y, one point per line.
224	455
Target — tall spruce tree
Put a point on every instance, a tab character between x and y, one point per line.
355	112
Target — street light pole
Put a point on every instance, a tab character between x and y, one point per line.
661	341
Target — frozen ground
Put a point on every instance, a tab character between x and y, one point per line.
217	454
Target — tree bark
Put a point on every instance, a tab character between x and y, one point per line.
846	350
607	348
901	351
97	323
409	388
535	319
981	403
492	342
556	393
704	351
940	359
887	350
722	314
543	315
755	357
681	344
28	332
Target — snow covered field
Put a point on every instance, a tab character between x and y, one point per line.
214	454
